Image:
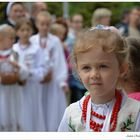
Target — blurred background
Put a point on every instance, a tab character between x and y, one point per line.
68	19
84	8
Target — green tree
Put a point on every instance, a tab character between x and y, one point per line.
85	8
2	10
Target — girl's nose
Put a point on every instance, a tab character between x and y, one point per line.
94	74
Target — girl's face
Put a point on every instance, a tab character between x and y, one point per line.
24	32
61	33
99	72
105	21
7	42
43	25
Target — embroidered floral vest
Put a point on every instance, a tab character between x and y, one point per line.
126	117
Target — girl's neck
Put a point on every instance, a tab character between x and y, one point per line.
24	42
102	99
43	35
129	87
1	48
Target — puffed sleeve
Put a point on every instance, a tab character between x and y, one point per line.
137	128
64	124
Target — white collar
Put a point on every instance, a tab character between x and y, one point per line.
106	105
5	52
109	105
23	47
107	120
47	36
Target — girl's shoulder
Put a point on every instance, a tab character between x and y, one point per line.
34	46
34	37
53	39
128	114
133	102
76	108
31	47
130	104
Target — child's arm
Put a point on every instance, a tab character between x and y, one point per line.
65	125
23	71
38	73
48	73
137	128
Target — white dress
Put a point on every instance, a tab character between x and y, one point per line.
72	119
54	100
11	99
31	61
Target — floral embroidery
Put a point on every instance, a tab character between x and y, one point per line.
126	125
72	126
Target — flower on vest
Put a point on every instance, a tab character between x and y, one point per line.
126	126
71	125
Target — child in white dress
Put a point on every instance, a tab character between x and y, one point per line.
131	81
10	93
54	100
31	58
99	57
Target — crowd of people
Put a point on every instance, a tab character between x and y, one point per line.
46	65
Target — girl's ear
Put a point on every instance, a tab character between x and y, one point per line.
123	69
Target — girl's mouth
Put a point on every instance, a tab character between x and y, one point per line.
98	84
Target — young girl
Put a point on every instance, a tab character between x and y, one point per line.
59	30
10	93
132	78
54	100
31	58
100	60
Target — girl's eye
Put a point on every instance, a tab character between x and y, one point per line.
86	68
103	66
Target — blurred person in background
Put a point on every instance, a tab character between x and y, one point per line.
101	16
36	8
76	87
60	29
54	100
14	11
131	81
133	26
11	95
31	60
77	22
124	18
76	25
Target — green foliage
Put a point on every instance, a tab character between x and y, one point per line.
85	8
55	8
2	7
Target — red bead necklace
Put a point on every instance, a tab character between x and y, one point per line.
96	127
4	57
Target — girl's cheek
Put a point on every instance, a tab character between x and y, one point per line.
86	81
